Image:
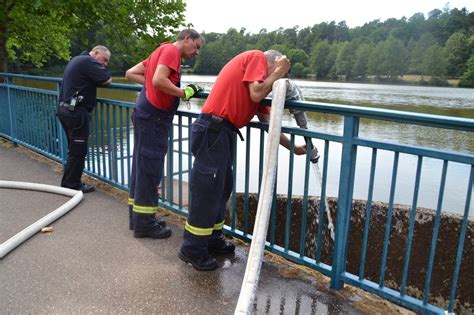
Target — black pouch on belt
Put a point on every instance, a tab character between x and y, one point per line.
215	123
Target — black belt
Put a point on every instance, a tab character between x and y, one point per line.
217	122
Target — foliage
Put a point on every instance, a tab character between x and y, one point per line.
434	62
437	45
467	79
457	53
36	31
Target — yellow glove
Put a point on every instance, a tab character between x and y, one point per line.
190	90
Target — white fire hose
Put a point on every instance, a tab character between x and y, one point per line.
26	233
257	247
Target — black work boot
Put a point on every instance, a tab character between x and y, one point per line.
203	263
130	219
217	245
146	225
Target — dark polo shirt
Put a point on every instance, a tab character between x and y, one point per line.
83	74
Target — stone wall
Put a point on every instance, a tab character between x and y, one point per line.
446	246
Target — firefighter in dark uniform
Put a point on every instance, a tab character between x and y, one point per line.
77	98
152	118
234	99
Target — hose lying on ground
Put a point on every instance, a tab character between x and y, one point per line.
26	233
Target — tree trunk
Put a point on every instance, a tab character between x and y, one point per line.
5	11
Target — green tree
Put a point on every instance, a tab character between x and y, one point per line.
35	31
457	53
434	63
298	70
389	58
467	79
322	59
345	60
211	59
417	50
361	63
32	31
298	56
284	49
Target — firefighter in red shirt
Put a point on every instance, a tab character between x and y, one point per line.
233	101
152	118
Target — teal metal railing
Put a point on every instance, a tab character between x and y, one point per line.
28	118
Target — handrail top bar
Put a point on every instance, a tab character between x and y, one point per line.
430	120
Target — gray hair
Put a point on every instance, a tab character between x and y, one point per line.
191	32
272	56
101	48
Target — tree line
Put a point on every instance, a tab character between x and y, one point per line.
440	46
40	36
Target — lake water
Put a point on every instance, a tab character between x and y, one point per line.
456	102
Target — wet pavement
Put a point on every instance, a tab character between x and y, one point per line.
90	262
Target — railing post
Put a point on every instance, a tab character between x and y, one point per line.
344	201
11	113
61	133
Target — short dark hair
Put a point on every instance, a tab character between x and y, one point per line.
191	32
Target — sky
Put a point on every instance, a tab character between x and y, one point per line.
253	15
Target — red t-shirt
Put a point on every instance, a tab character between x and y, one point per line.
167	54
230	94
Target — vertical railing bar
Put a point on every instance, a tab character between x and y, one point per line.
462	236
129	141
190	165
434	238
94	141
122	159
322	204
411	226
349	196
304	208
344	203
234	184
171	166
90	147
52	115
368	214
180	161
23	109
389	220
109	140
273	210
45	135
114	144
62	135
260	159
31	108
10	108
289	193
102	141
26	119
246	179
51	126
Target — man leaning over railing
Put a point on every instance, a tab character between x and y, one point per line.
234	99
77	98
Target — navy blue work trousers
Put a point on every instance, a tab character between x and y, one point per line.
76	126
151	134
212	145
